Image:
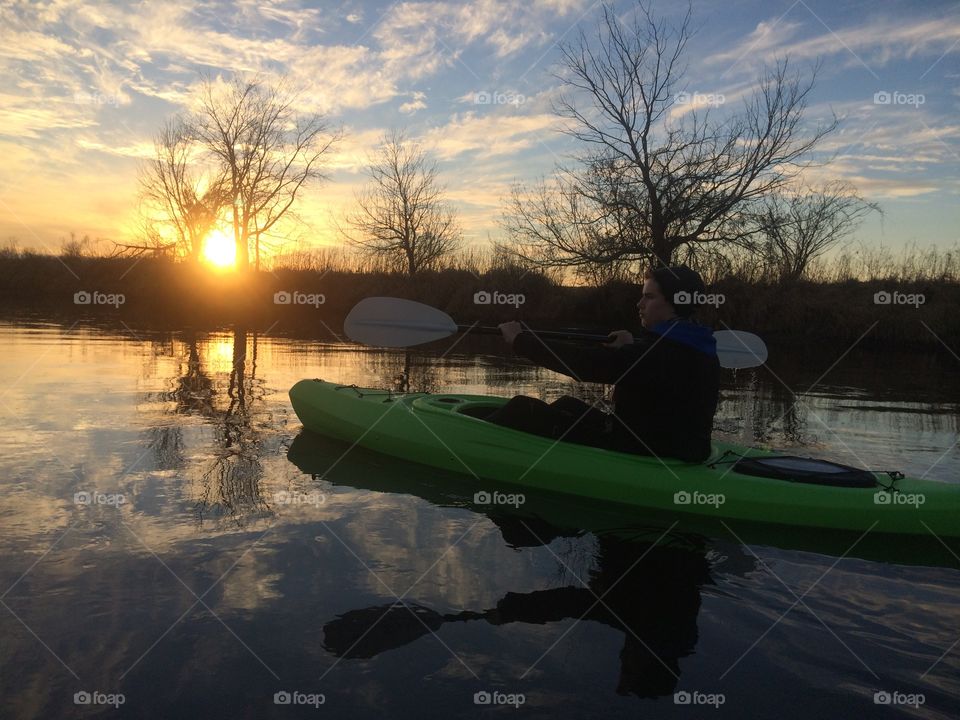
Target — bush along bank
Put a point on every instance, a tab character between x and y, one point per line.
164	293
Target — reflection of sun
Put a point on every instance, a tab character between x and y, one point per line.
219	249
218	355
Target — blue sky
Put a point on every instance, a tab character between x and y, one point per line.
85	86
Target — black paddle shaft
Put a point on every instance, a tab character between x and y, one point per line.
553	334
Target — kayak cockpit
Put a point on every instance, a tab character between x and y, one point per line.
475	406
794	468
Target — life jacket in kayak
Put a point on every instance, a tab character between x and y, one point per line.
666	385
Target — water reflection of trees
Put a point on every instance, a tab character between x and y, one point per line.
774	414
757	406
215	379
763	408
404	371
229	485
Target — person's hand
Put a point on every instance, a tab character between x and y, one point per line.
619	338
510	330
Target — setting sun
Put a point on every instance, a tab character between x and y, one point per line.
219	249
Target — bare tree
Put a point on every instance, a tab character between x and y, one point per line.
579	221
657	174
797	228
175	192
401	215
266	152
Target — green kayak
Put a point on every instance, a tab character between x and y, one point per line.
735	483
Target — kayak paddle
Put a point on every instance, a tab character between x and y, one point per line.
395	322
352	635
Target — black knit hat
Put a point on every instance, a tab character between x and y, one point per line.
679	285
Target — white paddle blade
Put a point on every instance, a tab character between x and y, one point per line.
737	349
394	322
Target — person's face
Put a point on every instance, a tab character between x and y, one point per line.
653	306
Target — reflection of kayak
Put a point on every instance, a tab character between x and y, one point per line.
735	483
546	516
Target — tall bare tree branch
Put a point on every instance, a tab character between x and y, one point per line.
795	229
401	215
655	175
267	152
175	192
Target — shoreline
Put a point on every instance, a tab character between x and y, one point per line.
877	315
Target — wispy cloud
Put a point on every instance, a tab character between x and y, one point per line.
890	154
137	150
876	42
29	116
414	104
488	135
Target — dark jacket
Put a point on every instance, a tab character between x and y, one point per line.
666	386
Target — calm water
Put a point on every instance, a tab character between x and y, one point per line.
172	540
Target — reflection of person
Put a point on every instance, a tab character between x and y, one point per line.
650	594
666	380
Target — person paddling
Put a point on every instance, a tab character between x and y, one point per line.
666	380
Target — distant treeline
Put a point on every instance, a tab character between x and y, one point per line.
912	306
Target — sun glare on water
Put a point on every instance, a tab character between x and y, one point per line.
219	249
